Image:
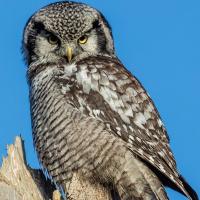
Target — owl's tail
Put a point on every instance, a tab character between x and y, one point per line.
137	181
186	190
153	181
189	189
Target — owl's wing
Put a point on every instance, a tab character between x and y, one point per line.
101	87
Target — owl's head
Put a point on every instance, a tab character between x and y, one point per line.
66	31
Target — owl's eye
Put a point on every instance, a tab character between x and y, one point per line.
83	39
53	39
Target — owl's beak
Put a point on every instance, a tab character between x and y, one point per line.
69	54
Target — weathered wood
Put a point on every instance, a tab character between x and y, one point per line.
18	181
80	189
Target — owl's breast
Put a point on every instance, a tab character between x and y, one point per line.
65	138
50	115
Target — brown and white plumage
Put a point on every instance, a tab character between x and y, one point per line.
89	113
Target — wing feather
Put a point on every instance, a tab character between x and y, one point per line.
101	87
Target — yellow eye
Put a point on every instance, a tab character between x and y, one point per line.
53	39
83	39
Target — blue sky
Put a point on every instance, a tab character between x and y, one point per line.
158	41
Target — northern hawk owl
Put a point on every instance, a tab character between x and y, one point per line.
89	114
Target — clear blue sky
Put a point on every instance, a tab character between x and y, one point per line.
158	41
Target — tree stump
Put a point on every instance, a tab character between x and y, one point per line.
18	181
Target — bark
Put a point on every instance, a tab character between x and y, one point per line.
86	190
18	181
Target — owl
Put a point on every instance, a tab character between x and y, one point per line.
89	114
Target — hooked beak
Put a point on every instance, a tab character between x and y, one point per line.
69	54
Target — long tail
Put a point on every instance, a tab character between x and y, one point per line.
153	181
136	181
189	189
